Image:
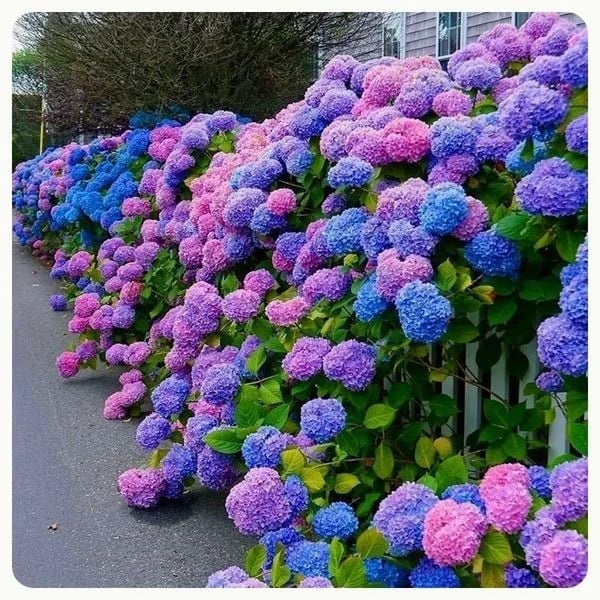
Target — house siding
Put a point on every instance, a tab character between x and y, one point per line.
420	33
478	23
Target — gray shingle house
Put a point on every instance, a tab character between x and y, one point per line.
437	34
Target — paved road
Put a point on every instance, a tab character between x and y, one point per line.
66	459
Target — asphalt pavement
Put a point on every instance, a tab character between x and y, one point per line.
70	526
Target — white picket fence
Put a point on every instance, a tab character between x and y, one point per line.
507	387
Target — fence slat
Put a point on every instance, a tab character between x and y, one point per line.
472	413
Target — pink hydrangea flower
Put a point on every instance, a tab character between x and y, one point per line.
452	532
67	364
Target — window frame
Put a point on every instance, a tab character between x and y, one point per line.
402	43
462	40
513	18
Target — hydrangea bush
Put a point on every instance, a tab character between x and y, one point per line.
274	290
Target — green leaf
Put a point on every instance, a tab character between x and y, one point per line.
365	507
492	576
425	453
494	455
255	559
293	461
577	404
514	445
277	416
351	573
546	288
491	433
280	573
384	461
156	457
336	554
256	360
517	363
371	544
461	330
345	483
501	311
443	447
262	328
270	392
446	276
578	436
495	548
399	394
443	405
567	243
511	227
429	481
488	353
312	479
246	413
451	471
249	392
379	415
224	441
496	412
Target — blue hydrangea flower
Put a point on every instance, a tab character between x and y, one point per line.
336	520
216	471
423	312
539	481
263	448
343	232
298	162
264	222
549	381
296	493
286	536
369	304
169	396
310	559
563	346
408	239
464	492
350	171
400	517
553	189
322	419
428	575
576	135
374	237
195	430
58	302
221	384
178	464
492	254
152	431
519	578
383	572
445	206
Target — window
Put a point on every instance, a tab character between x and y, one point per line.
449	33
519	18
393	35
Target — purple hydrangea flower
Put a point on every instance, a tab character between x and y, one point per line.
351	363
221	383
305	359
152	431
322	419
141	488
553	189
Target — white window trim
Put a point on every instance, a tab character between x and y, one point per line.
463	33
402	41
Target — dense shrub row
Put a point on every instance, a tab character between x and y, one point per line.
273	288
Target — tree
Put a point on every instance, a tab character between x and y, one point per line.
103	67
